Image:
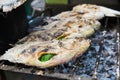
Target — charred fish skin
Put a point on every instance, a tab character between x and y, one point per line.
69	49
64	15
97	10
79	51
65	38
71	14
75	27
45	35
20	53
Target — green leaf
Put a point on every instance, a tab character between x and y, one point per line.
57	1
61	37
46	57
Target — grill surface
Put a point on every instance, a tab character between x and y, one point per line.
101	61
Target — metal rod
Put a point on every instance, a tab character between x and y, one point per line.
99	51
118	51
71	76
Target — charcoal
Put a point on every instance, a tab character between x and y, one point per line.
99	62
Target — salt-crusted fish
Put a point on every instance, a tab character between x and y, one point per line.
48	53
9	5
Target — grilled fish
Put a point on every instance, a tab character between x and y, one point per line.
88	11
9	5
48	53
71	28
94	9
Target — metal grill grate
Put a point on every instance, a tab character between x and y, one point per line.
100	62
118	50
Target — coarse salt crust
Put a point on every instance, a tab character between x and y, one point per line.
9	5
